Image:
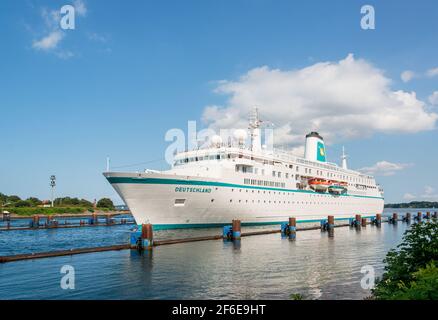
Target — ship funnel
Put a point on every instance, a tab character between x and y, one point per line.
315	149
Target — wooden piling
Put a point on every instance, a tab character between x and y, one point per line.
428	215
364	222
394	218
95	219
108	219
35	221
147	236
357	221
236	230
331	226
292	228
378	220
419	216
435	215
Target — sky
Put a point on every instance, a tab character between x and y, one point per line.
130	71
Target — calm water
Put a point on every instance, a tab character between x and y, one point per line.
260	267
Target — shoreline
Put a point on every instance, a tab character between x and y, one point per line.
70	214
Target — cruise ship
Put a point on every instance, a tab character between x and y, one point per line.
210	187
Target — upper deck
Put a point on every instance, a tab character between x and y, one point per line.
273	164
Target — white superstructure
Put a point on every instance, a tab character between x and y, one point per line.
210	187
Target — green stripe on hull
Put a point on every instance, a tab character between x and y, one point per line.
157	227
117	180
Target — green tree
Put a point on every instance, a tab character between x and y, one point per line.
85	203
34	201
3	199
412	265
72	202
13	199
424	285
23	203
105	203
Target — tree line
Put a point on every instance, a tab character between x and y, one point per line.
14	201
413	205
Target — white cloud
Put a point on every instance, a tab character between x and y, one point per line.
407	75
385	168
97	37
428	190
409	196
53	34
51	18
65	54
49	42
429	194
80	8
432	72
433	98
342	100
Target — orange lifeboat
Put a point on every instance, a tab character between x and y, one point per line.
320	185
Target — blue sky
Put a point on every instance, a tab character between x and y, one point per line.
131	70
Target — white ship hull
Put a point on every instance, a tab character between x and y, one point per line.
177	201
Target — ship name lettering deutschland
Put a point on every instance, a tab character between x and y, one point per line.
192	189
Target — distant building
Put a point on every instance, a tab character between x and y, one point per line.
121	207
45	204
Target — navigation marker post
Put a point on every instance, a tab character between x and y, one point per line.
52	185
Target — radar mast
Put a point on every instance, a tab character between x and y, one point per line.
254	128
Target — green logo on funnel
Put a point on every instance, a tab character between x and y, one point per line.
320	153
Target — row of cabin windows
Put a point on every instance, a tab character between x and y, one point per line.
297	202
202	158
278	174
181	202
264	183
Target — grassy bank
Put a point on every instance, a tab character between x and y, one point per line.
51	211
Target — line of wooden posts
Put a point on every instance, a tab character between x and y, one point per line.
143	239
44	222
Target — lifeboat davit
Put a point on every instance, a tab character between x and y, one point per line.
320	185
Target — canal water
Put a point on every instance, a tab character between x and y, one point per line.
259	267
